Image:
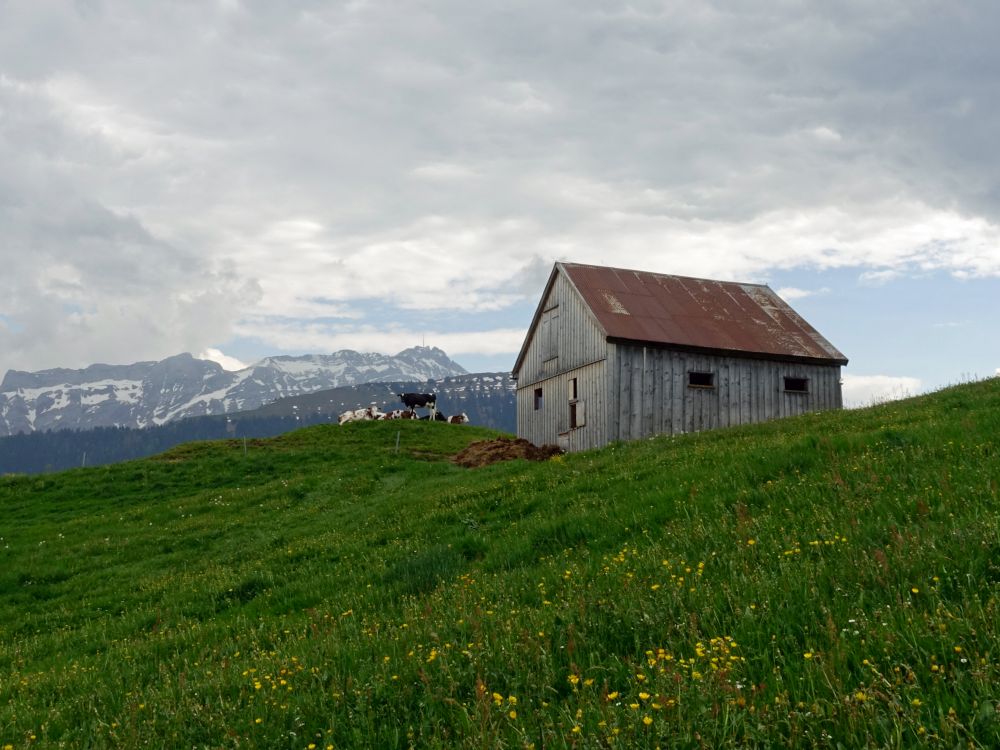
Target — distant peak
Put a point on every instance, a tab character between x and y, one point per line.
422	350
432	353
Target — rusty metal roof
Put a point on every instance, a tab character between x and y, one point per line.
697	313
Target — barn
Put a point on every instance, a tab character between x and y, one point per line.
614	354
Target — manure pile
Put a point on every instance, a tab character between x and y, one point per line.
485	452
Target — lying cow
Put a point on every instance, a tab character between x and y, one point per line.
360	415
401	414
354	415
462	418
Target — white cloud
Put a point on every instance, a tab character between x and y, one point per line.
228	363
443	171
789	293
865	390
824	133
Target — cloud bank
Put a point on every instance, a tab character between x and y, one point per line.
177	175
866	390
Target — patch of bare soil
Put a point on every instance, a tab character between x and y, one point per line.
486	452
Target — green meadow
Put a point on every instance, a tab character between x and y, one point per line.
831	581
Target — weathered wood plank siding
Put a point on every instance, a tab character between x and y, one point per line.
648	391
547	424
565	338
565	344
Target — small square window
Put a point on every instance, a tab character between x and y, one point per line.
538	399
701	379
797	385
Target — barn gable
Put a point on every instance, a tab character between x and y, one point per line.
614	354
563	335
560	371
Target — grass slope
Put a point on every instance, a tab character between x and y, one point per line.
830	580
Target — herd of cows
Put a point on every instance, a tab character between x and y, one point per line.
412	402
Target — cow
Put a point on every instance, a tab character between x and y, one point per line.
354	415
361	415
439	417
462	418
416	400
413	400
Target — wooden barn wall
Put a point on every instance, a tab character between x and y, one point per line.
648	391
546	424
565	337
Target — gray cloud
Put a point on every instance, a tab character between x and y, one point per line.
178	172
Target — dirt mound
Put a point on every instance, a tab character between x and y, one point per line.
486	452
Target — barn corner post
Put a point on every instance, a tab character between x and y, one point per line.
640	353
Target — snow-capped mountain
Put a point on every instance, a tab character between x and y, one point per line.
148	393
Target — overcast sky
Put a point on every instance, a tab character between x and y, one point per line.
250	178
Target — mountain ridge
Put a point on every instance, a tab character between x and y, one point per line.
180	386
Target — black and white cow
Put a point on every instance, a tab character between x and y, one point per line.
413	401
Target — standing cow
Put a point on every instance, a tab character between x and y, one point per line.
418	400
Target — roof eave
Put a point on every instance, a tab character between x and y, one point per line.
828	361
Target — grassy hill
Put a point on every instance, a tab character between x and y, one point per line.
830	580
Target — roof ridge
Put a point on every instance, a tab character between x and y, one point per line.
658	273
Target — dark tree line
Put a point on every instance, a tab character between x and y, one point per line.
40	452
